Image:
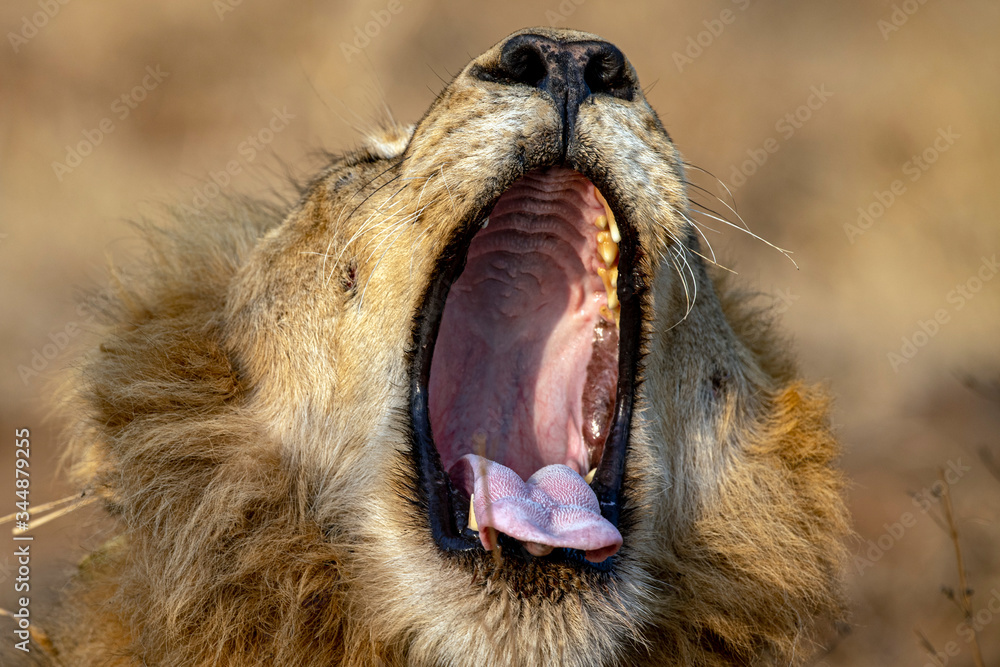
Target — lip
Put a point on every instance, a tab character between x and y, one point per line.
447	507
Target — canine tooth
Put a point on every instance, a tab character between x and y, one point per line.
601	221
473	525
590	476
538	550
616	235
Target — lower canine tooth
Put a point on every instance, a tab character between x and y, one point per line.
590	476
536	549
473	525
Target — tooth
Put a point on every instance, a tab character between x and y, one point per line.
616	235
609	277
601	221
603	273
473	525
590	476
613	302
536	549
609	252
488	538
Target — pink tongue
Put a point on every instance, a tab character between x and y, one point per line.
554	508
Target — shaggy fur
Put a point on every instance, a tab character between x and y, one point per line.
243	419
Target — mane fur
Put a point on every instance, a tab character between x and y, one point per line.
216	541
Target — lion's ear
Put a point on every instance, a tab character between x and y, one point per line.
389	142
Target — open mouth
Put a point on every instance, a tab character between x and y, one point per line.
524	373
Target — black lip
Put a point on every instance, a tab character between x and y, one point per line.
446	506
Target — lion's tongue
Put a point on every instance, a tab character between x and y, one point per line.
514	359
554	508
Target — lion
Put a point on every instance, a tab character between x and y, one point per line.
474	398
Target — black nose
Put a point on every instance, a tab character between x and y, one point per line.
568	71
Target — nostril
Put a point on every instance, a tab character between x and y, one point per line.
521	61
606	71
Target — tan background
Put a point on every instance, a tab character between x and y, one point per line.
847	307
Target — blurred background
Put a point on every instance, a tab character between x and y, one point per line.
862	136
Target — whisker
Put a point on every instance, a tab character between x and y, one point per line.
786	253
365	226
717	179
451	196
402	228
714	215
690	295
711	259
697	228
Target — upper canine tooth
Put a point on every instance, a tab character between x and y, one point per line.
616	235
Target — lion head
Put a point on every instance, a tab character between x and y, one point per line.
474	398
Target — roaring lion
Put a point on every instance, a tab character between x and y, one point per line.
474	399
